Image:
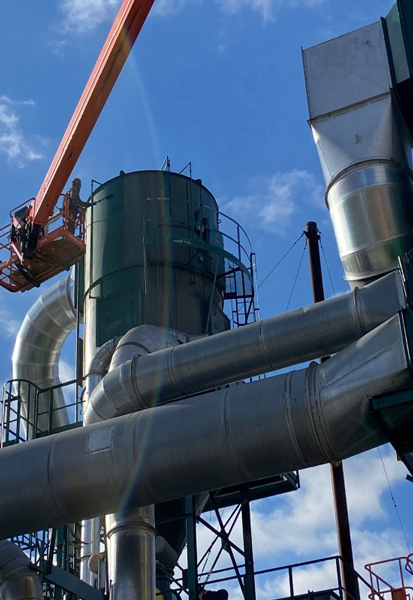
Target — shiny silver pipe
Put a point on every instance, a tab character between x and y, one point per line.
364	147
264	346
372	214
37	349
99	366
18	581
131	554
131	533
90	529
228	437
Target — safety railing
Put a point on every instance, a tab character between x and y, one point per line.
28	412
291	581
18	414
56	246
391	579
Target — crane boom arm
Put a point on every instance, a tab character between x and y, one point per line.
122	36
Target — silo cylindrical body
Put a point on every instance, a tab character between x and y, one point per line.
150	257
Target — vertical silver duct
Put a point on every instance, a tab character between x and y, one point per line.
37	349
131	533
17	580
90	531
364	148
131	554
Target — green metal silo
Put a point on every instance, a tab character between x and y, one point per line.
154	256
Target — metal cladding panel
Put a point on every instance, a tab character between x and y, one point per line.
362	138
346	70
151	239
373	130
132	208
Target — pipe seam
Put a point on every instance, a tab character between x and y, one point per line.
50	481
173	372
318	425
135	385
262	345
134	525
229	444
359	313
289	418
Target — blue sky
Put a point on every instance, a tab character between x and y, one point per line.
219	83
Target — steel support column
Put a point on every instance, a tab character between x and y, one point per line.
337	473
249	579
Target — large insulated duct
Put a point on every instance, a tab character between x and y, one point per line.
37	350
264	346
227	437
365	150
18	581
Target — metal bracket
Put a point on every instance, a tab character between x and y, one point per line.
72	584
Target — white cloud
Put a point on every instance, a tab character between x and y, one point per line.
13	143
66	370
272	201
82	16
264	7
164	8
8	324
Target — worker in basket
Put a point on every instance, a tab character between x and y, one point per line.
73	206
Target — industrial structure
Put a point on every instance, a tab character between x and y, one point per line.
169	415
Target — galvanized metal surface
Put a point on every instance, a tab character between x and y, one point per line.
374	131
371	207
364	147
292	421
18	581
264	346
90	530
131	554
346	70
38	345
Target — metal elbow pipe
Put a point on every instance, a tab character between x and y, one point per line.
17	578
37	349
99	366
264	346
139	341
255	430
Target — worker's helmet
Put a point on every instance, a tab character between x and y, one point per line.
76	184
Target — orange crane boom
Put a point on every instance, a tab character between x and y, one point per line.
36	247
122	36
